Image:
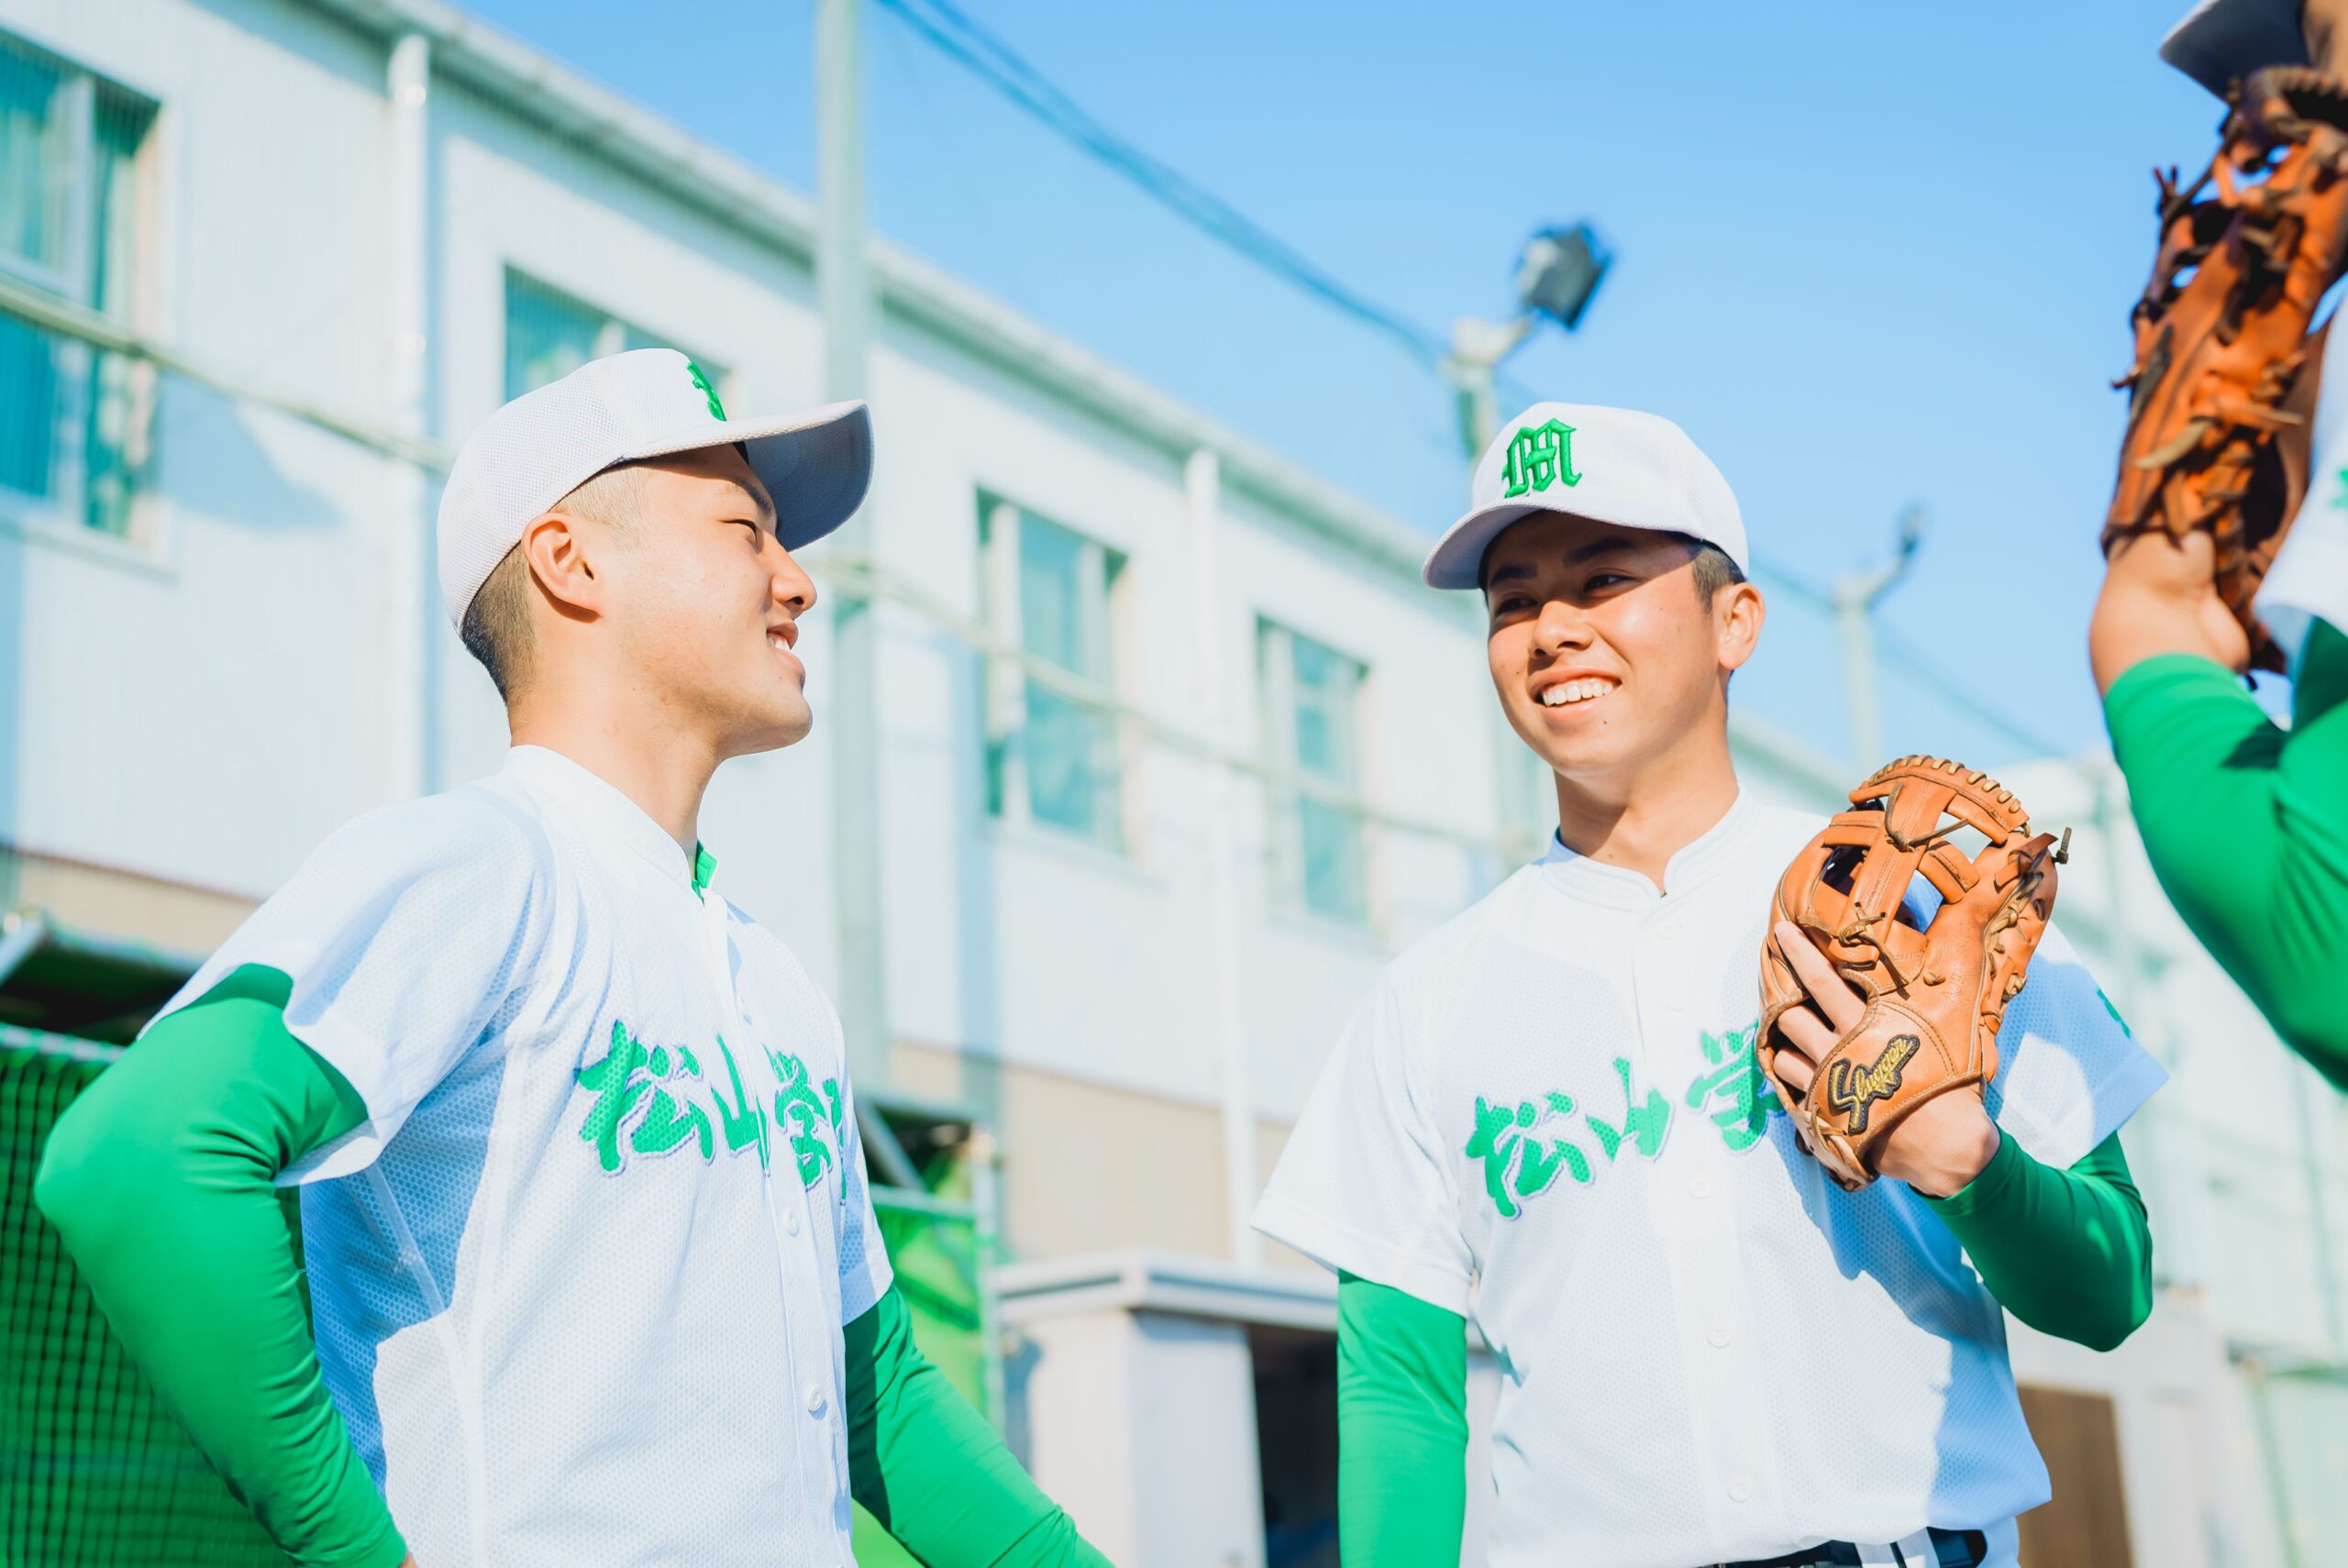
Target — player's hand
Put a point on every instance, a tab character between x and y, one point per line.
1943	1143
2160	595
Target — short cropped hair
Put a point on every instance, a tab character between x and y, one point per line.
496	627
1714	570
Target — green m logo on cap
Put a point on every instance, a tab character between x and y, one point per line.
1538	457
701	379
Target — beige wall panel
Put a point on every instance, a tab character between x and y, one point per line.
1085	1167
119	904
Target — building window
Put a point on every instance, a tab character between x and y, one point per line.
1313	697
75	421
1053	735
549	334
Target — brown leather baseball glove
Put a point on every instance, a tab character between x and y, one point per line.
1936	994
2223	386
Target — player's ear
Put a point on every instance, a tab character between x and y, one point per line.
1738	610
559	548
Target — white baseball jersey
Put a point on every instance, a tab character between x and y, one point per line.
580	1278
1547	1117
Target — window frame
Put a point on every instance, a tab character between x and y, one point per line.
612	330
63	514
1288	786
1104	576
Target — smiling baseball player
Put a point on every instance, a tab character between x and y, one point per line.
1548	1116
593	1264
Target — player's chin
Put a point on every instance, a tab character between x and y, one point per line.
1571	741
774	722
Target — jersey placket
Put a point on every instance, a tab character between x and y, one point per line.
1692	1201
791	1226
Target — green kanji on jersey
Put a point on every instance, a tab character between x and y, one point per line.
745	1119
809	1124
1737	1090
621	1082
1644	1124
1517	1165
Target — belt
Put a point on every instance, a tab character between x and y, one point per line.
1951	1549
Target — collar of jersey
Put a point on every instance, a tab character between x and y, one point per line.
1619	887
610	817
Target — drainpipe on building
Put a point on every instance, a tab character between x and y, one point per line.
844	290
1203	489
414	648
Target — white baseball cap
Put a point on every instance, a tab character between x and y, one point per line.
647	403
1615	465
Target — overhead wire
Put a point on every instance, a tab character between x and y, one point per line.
994	62
986	56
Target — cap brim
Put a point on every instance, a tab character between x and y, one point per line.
815	463
1457	559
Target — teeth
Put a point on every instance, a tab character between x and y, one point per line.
1575	691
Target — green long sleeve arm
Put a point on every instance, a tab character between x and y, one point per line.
930	1468
1401	1428
161	1180
2246	824
2068	1251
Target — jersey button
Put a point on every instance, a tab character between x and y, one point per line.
1740	1490
1700	1187
1717	1337
818	1401
790	1221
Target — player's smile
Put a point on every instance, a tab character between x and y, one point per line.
783	636
1572	688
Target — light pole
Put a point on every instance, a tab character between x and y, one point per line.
844	290
1854	594
1556	274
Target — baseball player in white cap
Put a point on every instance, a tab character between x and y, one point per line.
593	1268
1547	1117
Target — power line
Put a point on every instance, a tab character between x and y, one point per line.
995	62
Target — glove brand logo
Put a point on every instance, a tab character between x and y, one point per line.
701	379
1851	1088
1540	456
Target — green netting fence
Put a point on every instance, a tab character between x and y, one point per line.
95	1473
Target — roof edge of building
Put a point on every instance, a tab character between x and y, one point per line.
608	124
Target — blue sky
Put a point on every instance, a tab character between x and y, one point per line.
1868	254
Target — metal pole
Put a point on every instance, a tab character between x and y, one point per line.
1203	484
1858	674
408	84
844	290
1854	595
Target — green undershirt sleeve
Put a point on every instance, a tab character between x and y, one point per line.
1401	1428
2068	1251
160	1180
931	1470
2246	825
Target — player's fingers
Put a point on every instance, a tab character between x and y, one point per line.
1811	1038
1839	1004
1793	1067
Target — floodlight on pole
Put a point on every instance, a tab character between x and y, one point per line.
1558	274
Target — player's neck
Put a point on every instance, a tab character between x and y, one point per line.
661	767
1640	821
